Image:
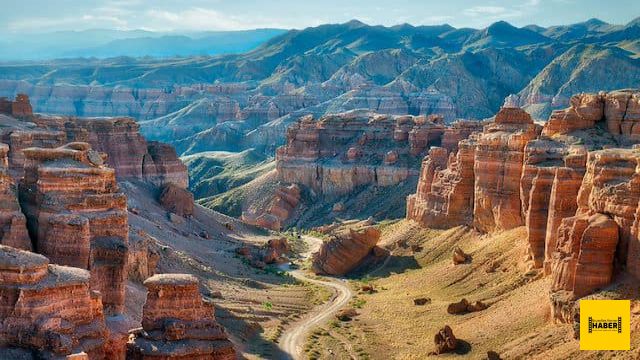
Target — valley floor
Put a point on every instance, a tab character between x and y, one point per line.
516	325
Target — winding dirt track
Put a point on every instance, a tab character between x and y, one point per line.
293	339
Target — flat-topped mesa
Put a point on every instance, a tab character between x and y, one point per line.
498	167
445	190
345	251
132	157
619	110
13	224
338	153
48	310
177	323
77	216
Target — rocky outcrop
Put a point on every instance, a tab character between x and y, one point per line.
128	151
498	167
48	310
177	200
575	186
611	186
336	154
144	255
279	210
345	251
445	341
583	260
78	216
13	224
619	110
458	131
20	107
177	323
18	140
445	189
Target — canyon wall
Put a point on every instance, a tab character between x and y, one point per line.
61	200
128	152
574	184
336	154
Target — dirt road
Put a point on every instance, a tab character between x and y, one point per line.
293	339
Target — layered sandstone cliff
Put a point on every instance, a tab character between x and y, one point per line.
48	310
336	154
13	224
178	324
574	185
77	215
128	152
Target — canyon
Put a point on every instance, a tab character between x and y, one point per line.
65	250
571	183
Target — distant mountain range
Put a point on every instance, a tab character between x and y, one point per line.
102	43
237	101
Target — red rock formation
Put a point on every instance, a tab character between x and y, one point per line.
19	140
78	216
144	255
21	107
128	152
13	224
583	260
498	168
584	111
563	198
161	165
177	324
620	110
541	206
445	341
445	195
177	200
345	251
338	153
48	309
285	200
458	131
611	185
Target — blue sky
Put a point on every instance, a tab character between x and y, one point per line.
196	15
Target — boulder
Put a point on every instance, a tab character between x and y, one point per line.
177	200
460	257
445	341
345	251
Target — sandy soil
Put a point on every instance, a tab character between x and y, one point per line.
253	305
293	339
516	325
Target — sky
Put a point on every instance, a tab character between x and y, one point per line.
201	15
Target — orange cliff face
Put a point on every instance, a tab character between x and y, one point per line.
68	208
178	324
48	307
338	155
574	185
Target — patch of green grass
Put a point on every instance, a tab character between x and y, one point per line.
267	305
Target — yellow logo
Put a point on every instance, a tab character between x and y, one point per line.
604	324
